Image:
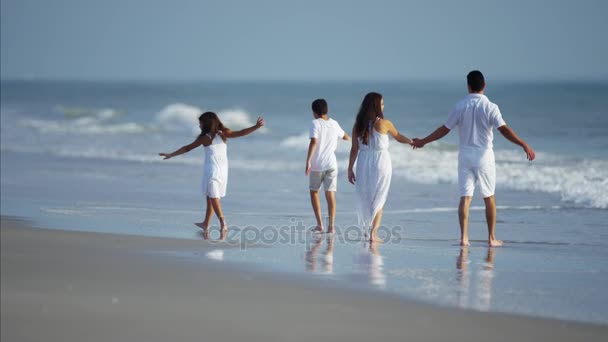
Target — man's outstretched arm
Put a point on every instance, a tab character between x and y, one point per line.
510	135
439	133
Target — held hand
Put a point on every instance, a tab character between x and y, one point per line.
351	176
529	152
307	172
417	143
260	122
165	155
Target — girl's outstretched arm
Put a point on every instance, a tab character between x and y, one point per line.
236	134
396	135
201	140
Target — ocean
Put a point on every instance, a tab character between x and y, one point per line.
84	156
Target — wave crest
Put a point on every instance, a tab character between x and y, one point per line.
180	116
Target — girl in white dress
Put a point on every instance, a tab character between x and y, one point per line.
215	175
374	168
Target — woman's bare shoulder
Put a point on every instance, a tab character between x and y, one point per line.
383	125
205	140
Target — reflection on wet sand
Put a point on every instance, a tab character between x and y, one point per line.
372	264
482	296
327	258
462	275
215	254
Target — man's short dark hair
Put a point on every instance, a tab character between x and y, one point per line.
476	81
319	106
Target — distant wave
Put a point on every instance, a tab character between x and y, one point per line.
76	112
83	121
177	116
180	116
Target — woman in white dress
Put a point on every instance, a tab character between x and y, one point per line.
215	175
374	168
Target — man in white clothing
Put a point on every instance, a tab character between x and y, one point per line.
475	117
321	164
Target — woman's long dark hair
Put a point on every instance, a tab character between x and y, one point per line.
371	109
212	125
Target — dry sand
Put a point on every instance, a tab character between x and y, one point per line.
75	286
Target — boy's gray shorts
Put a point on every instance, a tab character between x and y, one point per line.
329	178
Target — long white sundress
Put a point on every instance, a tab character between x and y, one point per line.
215	173
373	172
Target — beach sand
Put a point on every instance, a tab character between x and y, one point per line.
77	286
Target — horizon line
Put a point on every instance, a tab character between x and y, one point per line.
297	80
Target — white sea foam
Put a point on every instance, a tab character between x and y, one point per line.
124	155
82	125
472	208
299	142
84	121
67	212
76	112
179	116
237	119
584	182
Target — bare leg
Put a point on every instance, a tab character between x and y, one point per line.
208	214
316	208
217	207
330	196
463	218
491	220
373	237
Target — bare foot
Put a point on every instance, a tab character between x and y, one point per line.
202	225
330	230
223	225
465	242
317	229
495	243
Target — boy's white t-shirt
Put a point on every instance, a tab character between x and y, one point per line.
327	133
475	117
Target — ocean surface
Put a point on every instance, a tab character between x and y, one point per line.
83	156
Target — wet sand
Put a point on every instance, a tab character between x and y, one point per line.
76	286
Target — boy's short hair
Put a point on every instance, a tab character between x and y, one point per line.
319	106
476	81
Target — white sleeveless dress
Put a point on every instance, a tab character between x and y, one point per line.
373	173
215	173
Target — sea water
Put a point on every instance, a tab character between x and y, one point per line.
84	156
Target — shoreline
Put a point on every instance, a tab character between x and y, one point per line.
67	286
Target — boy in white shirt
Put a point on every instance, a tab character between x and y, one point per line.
321	164
475	117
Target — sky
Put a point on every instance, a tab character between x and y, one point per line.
303	40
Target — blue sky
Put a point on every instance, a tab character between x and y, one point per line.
303	40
